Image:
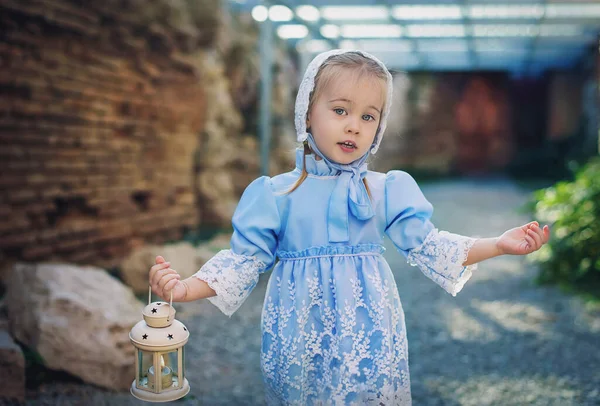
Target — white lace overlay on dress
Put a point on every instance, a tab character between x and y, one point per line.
323	362
440	258
232	277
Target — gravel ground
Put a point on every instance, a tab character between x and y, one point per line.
501	341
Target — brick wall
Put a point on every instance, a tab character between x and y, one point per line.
99	121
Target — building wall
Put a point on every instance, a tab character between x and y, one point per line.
448	122
99	121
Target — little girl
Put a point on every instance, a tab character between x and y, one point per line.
333	327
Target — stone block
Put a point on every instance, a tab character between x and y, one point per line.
12	365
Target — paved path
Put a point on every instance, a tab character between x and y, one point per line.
501	341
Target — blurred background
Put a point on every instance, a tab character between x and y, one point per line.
130	128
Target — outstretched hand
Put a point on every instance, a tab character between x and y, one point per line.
523	240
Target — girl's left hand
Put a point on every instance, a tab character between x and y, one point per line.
523	240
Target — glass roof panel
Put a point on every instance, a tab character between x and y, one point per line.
438	34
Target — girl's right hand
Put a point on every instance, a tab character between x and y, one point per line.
164	279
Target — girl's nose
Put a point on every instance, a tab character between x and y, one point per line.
352	127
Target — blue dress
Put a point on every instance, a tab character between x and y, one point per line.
333	328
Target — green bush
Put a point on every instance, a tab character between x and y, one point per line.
571	259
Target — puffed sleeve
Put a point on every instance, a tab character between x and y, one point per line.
233	273
438	254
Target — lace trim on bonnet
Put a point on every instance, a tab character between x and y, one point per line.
308	83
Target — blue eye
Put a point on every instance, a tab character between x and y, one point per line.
369	117
338	110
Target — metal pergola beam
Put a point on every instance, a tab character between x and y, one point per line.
467	23
528	61
312	28
529	58
266	44
266	79
412	40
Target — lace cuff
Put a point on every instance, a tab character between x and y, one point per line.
232	276
440	258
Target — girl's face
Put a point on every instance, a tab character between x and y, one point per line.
345	117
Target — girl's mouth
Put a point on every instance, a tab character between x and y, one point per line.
347	146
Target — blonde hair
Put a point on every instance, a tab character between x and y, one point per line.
362	66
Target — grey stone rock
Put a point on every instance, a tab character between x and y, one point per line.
76	318
12	368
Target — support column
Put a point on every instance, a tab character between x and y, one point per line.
266	76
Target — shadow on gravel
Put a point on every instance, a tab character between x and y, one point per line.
501	327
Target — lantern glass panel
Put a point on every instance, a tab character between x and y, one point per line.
144	362
172	362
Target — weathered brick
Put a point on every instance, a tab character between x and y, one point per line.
23	195
37	251
17	239
96	121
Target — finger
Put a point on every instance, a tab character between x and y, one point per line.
158	277
530	242
170	285
536	237
156	268
162	273
159	259
528	225
164	280
546	234
539	232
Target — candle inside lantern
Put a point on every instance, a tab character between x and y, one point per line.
167	374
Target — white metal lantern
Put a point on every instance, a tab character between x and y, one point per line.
159	361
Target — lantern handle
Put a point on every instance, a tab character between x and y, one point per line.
150	296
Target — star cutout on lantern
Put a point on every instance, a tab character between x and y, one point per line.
170	336
153	310
184	329
145	336
158	304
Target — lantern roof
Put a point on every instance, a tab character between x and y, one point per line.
174	335
159	314
159	329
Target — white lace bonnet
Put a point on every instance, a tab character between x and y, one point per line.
308	83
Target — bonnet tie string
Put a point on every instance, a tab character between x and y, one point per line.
349	194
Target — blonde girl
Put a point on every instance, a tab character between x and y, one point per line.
332	325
